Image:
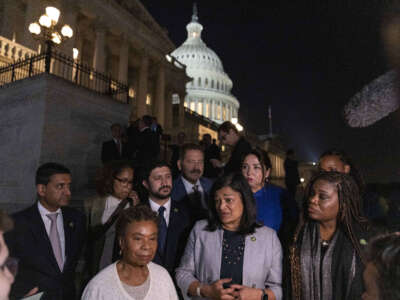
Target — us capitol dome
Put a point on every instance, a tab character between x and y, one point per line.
209	93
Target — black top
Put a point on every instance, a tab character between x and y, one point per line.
232	256
241	148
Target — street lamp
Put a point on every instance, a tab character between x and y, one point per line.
47	30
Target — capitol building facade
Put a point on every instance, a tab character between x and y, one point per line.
209	93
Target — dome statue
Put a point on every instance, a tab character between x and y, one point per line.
209	93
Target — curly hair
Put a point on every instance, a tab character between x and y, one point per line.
384	253
134	214
354	171
106	176
349	214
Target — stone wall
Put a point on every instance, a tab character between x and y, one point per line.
46	118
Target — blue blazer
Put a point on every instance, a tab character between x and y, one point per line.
269	209
29	242
179	192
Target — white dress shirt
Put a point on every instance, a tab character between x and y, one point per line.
189	189
60	225
155	206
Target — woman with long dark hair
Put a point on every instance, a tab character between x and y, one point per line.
326	258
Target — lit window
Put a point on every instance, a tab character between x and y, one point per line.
206	82
131	93
185	104
192	105
148	99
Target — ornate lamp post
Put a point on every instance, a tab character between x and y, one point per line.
48	30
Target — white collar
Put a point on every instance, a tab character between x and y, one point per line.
44	211
189	186
155	206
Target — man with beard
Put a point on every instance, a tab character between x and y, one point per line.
174	219
190	186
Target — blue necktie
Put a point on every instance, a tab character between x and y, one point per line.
162	230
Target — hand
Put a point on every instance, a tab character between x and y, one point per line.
247	293
216	290
216	163
32	292
134	196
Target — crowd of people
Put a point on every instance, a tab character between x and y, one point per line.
156	231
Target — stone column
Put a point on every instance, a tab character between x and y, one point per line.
99	57
204	107
196	101
142	88
10	12
69	16
123	61
160	95
182	111
168	113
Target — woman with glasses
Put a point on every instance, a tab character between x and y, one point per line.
231	256
114	193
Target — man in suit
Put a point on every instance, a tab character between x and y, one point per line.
190	186
148	142
229	135
114	149
174	217
48	238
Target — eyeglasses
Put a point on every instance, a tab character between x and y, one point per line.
124	181
11	264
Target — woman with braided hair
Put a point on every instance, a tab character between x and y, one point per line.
326	257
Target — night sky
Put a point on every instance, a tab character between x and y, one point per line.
305	58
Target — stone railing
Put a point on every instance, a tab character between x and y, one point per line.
11	51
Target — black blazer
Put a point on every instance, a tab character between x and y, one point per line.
177	235
147	146
109	151
29	242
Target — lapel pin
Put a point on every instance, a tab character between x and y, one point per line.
71	224
363	242
253	238
176	210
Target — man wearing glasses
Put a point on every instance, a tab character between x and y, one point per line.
230	136
47	238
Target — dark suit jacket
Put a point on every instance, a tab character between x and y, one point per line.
109	151
234	164
29	242
147	146
177	235
179	194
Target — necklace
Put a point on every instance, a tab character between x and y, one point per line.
324	243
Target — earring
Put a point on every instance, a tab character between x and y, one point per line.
120	252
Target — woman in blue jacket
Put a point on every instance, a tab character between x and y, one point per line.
256	168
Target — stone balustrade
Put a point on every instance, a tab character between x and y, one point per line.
14	51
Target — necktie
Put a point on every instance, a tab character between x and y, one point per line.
55	240
162	230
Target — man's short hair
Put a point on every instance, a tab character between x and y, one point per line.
187	147
227	126
45	171
151	166
147	120
113	125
